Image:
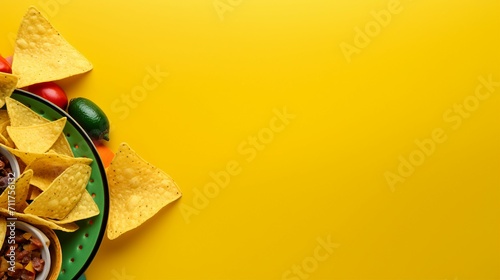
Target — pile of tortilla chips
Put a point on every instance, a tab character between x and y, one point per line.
53	180
51	190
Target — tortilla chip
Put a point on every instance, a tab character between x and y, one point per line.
4	116
35	220
36	138
61	146
20	115
8	83
22	189
137	191
47	169
4	137
28	157
41	54
85	208
3	126
62	195
6	141
17	191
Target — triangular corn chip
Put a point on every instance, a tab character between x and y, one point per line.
41	54
20	192
62	195
61	146
36	138
85	208
4	115
8	83
137	191
35	220
27	157
3	126
47	169
20	115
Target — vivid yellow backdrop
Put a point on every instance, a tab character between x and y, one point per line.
362	93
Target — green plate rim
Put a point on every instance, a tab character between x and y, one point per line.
86	138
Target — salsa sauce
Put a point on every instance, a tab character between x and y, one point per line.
21	257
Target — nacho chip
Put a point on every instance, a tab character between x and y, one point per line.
22	189
85	208
47	169
41	54
35	220
6	141
28	157
36	138
4	116
3	126
4	137
20	115
62	195
61	146
137	191
18	192
8	83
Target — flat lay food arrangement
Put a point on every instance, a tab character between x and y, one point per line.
250	139
53	177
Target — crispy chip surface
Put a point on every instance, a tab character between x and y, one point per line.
85	208
27	157
3	126
5	141
35	220
47	169
54	181
8	83
36	138
137	191
18	190
61	146
20	115
63	193
41	54
4	116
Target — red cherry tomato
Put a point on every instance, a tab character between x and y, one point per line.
51	92
5	65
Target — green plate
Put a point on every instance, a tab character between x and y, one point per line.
79	247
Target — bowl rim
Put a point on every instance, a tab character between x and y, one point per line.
45	251
14	164
100	166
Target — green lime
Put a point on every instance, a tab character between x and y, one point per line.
90	117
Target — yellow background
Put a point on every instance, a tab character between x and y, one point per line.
323	174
